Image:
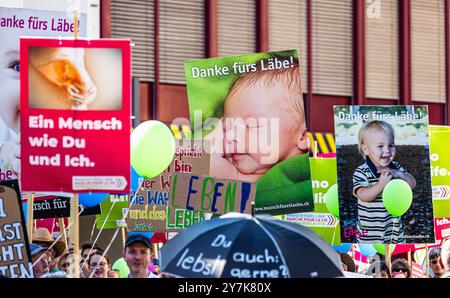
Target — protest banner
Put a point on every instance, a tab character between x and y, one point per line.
113	211
384	182
15	257
16	22
440	177
210	194
150	210
250	108
47	206
323	223
66	88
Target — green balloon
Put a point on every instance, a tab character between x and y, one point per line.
121	266
152	148
332	200
381	248
397	197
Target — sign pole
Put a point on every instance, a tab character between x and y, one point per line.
62	229
123	237
155	250
74	235
30	221
409	259
427	261
388	256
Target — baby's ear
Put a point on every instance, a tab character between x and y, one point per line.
303	141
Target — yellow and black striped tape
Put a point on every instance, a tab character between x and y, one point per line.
325	141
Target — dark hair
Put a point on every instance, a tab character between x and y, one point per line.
99	253
89	245
434	253
401	264
378	267
348	261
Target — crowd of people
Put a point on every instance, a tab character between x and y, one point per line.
438	260
52	259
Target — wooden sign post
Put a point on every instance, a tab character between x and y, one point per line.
30	221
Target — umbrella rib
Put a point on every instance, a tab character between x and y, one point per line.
276	245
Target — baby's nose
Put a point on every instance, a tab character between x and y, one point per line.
233	135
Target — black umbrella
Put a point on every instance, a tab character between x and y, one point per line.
239	245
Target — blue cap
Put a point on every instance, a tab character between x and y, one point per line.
155	261
35	249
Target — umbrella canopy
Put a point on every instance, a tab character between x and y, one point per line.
239	245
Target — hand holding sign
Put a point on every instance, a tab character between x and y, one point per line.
152	148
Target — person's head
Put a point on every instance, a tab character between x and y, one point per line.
445	254
376	141
63	263
401	268
379	270
88	248
348	262
156	266
10	78
433	257
137	255
40	260
43	237
99	264
264	119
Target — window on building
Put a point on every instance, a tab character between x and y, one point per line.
236	27
181	37
428	50
382	43
332	47
288	30
134	20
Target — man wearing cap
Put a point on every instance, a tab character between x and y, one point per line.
42	237
40	260
137	255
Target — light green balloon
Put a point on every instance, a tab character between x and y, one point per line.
121	266
332	200
381	248
397	197
152	148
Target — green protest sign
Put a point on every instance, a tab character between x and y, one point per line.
440	170
440	177
113	211
324	175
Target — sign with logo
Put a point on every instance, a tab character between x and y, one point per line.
15	257
75	115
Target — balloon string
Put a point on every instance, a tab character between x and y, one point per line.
334	232
59	237
113	238
93	227
99	233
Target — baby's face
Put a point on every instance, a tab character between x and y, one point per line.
380	147
258	128
9	81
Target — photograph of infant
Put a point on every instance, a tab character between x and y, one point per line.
74	78
375	145
254	118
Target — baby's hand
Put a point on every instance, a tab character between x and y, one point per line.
81	100
10	154
397	174
385	177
